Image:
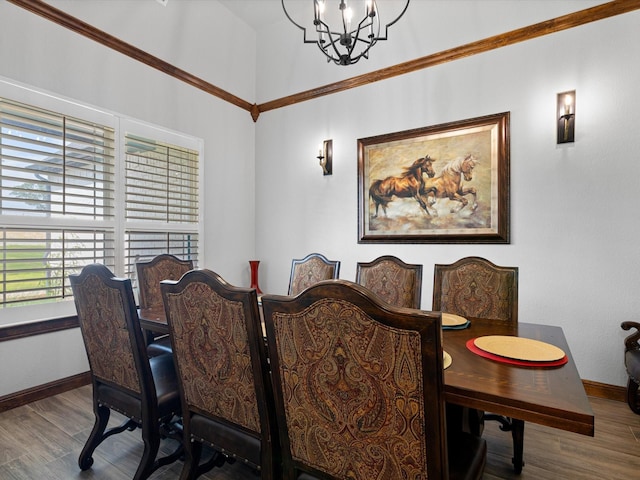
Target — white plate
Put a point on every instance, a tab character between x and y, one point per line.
519	348
451	320
447	359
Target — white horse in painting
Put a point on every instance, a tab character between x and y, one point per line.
449	184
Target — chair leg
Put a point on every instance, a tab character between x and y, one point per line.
632	396
193	451
151	440
152	436
98	434
95	438
217	460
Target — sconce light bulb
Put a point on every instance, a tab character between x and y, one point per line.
566	111
568	101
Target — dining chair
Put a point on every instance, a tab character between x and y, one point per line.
149	274
221	360
476	287
124	378
393	280
632	364
358	387
310	270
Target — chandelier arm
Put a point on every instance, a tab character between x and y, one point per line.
333	41
324	49
356	38
304	30
386	27
361	28
333	38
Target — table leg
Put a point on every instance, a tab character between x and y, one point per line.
517	434
516	427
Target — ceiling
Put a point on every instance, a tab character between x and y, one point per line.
257	13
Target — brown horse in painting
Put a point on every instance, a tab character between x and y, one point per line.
449	184
409	184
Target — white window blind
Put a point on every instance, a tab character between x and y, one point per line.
161	182
146	245
162	200
37	263
57	202
53	165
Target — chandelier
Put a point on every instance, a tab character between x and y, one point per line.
340	35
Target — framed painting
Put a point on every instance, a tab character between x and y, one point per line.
446	183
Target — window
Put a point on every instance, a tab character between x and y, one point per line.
75	189
161	182
58	177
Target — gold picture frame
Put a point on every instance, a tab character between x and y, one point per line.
446	183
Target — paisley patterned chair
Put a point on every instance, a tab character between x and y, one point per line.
150	273
311	269
394	281
220	356
358	386
632	364
124	379
475	287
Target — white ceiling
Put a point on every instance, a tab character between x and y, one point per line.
258	13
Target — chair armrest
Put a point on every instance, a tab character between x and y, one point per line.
632	341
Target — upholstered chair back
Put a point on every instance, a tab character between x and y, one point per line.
150	273
393	280
106	313
220	357
476	287
310	270
358	385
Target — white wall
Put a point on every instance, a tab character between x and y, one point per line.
39	53
573	207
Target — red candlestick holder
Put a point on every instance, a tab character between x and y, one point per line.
254	264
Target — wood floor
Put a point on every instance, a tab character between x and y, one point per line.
42	440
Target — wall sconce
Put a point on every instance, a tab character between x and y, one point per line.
566	116
325	156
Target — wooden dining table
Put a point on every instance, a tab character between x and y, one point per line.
550	396
153	320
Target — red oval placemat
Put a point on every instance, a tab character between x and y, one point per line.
522	363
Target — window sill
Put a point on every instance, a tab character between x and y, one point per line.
23	330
